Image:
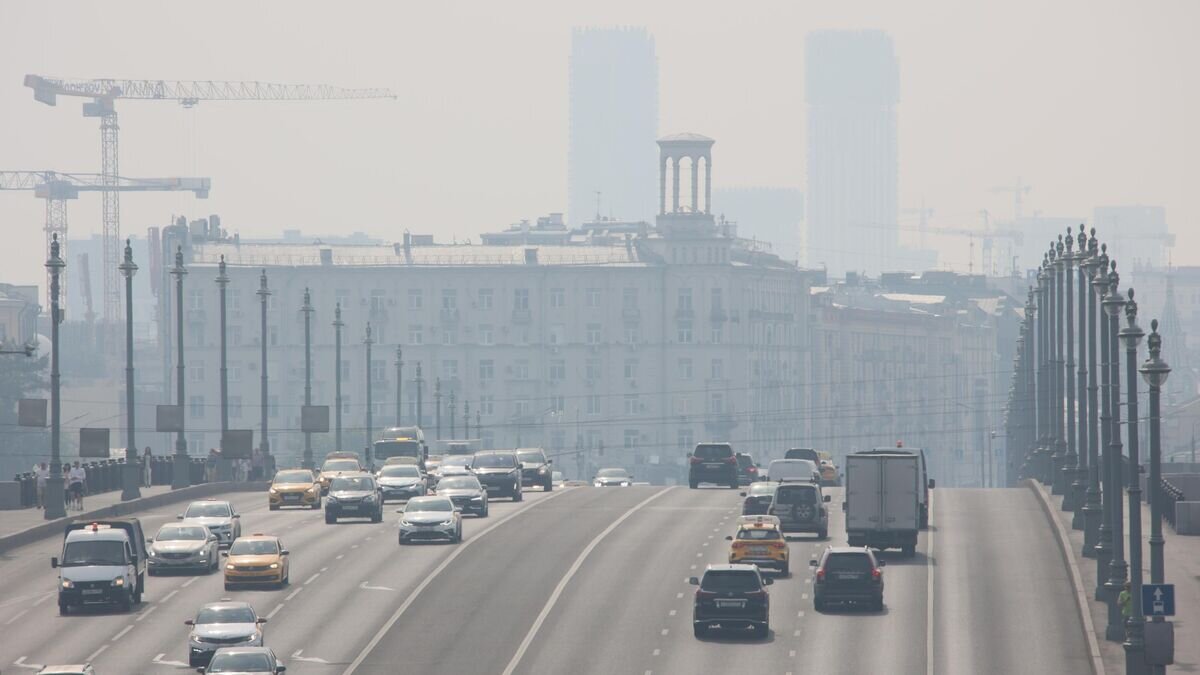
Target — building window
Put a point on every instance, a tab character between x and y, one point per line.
415	298
631	335
345	368
558	297
593	333
195	334
195	371
631	404
685	299
487	405
450	369
378	300
593	297
592	369
520	408
449	299
629	298
631	368
235	407
521	369
685	439
273	407
378	370
487	369
558	370
233	301
485	335
683	405
631	438
592	405
521	299
716	403
273	336
415	335
718	300
235	336
346	406
684	333
234	371
717	335
196	299
685	369
718	369
558	404
196	406
449	336
556	334
485	298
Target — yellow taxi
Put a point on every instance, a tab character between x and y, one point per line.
294	487
829	470
759	541
336	464
256	559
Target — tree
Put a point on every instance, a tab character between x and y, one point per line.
21	447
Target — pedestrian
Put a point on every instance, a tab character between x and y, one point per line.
210	466
146	463
256	464
76	480
41	472
1125	601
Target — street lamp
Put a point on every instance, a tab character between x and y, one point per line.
399	385
55	499
368	341
1044	391
1104	540
1117	569
1093	514
1135	647
1155	371
180	470
337	376
223	284
263	294
1079	521
1032	343
130	475
1073	493
307	310
1062	472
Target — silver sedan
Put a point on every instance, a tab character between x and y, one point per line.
430	519
183	546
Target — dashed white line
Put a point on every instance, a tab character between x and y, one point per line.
293	594
42	599
16	616
98	652
705	544
656	652
170	595
672	613
146	613
340	556
792	654
678	596
353	545
324	568
699	555
275	611
801	614
666	630
121	634
804	596
189	582
312	578
693	567
796	633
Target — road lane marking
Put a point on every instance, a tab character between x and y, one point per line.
275	611
367	587
412	597
98	652
312	578
804	596
121	634
678	596
792	654
340	556
16	616
148	612
693	567
311	659
665	631
20	663
562	583
929	597
672	613
796	633
293	594
42	599
656	652
170	595
189	582
324	568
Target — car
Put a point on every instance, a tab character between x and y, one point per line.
222	624
336	464
240	660
803	453
218	516
183	546
499	471
759	541
257	559
612	478
294	487
800	507
829	472
430	519
402	459
732	597
401	481
467	494
758	498
712	463
450	465
535	468
849	575
354	496
793	470
77	669
747	469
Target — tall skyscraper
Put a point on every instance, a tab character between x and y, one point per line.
852	87
614	123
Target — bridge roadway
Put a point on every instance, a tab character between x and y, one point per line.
584	580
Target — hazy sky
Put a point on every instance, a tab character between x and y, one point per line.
1090	102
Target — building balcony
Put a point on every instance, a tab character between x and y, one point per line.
522	316
449	316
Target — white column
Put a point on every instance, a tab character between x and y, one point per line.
708	183
695	183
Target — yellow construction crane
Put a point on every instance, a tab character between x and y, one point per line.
104	93
56	188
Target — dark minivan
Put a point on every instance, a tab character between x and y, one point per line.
713	463
847	574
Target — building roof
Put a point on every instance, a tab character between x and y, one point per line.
686	136
258	255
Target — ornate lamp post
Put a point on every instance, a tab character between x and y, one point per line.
437	410
452	410
1079	520
1092	512
1044	391
307	309
263	294
223	284
420	396
1155	371
1135	647
1117	569
399	385
131	475
1072	493
180	470
368	341
55	498
1058	485
1104	540
337	376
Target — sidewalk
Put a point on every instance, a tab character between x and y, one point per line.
16	520
1182	563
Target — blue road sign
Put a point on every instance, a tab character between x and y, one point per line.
1158	599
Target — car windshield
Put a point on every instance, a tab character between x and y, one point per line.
178	533
713	452
794	495
456	460
429	504
234	614
493	461
240	663
212	510
459	483
758	534
94	553
791	468
730	580
535	457
340	465
802	453
254	547
352	483
848	562
400	471
612	473
293	477
762	489
745	461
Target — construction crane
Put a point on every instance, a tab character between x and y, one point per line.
1018	190
986	235
56	188
105	92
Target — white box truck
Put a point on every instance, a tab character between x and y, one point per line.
886	499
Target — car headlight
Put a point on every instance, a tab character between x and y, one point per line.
331	499
625	483
542	470
405	523
449	522
598	484
118	582
312	490
230	566
273	491
274	566
67	583
152	553
370	498
477	499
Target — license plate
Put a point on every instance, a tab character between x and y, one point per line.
848	576
758	550
93	591
731	604
350	507
291	498
712	466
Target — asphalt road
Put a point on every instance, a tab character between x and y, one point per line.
584	580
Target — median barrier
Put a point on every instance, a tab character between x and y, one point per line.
10	495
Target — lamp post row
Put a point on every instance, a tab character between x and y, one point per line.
1066	411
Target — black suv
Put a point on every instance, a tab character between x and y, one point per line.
468	495
499	472
712	463
731	596
803	453
758	498
354	496
846	574
535	468
747	469
800	507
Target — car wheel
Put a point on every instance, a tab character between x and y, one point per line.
274	507
786	570
194	662
330	518
152	572
822	534
517	494
378	517
762	631
63	609
733	484
693	484
700	630
909	550
228	586
548	486
483	513
126	603
818	604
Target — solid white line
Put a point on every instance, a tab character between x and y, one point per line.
293	594
16	616
120	635
93	655
170	595
929	563
412	597
562	583
146	613
42	599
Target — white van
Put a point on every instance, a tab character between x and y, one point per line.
793	470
